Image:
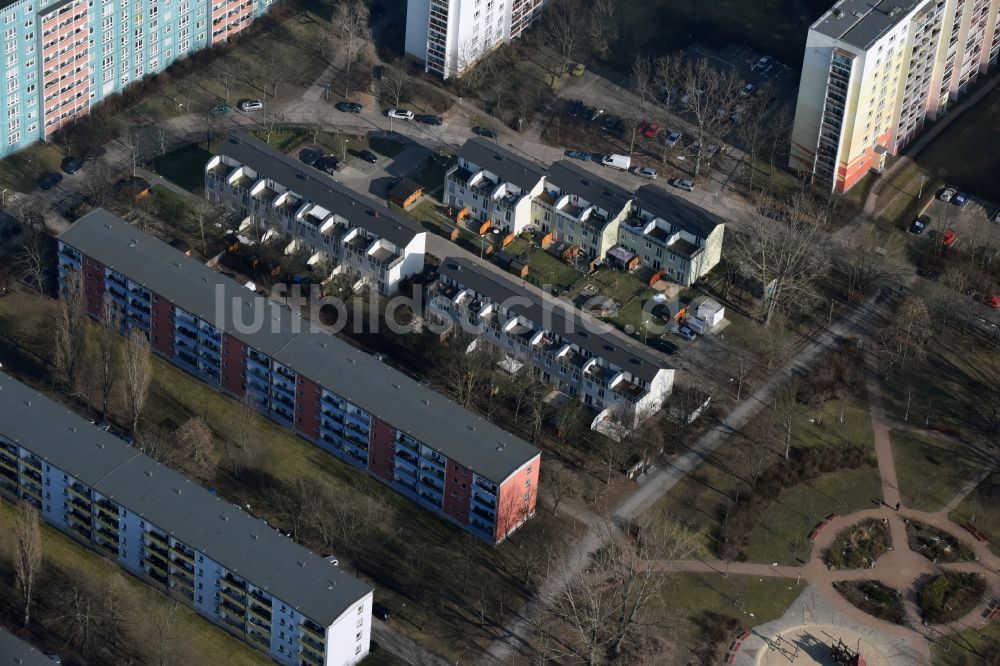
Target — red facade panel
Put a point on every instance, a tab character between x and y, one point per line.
517	497
162	325
457	491
234	359
307	408
93	286
380	449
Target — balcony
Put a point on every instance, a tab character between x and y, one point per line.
262	614
8	462
34	464
183	554
81	521
311	656
157	564
313	631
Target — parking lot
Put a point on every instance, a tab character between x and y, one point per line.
971	223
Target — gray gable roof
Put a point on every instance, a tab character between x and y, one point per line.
574	179
561	318
427	416
509	167
236	540
316	187
677	211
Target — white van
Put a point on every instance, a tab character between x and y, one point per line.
622	162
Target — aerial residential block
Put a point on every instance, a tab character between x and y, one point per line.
448	36
577	207
64	56
272	191
622	382
171	533
875	71
373	417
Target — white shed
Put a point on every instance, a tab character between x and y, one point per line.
710	311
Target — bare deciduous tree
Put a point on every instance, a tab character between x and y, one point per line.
27	554
600	609
468	367
603	21
197	448
34	256
137	370
107	353
395	81
351	17
785	256
908	335
70	332
711	97
784	409
752	117
563	31
134	149
558	483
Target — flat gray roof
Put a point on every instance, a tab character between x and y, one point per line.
860	23
223	532
576	180
316	187
426	415
562	318
677	211
16	652
512	168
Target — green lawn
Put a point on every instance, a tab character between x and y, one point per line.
967	647
21	171
184	166
700	499
550	273
628	291
982	507
931	470
211	644
690	600
783	536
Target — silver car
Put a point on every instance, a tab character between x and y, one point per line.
672	138
683	184
947	194
645	172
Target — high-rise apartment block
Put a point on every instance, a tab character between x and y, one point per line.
63	56
449	36
449	461
874	71
171	533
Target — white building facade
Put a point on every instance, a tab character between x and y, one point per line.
449	36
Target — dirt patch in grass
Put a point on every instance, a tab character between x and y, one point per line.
858	546
874	598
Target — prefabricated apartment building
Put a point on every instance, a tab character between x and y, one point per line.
168	531
446	459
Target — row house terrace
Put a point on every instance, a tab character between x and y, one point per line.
494	185
579	359
273	192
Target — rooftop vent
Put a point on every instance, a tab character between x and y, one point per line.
425	401
149	473
133	243
177	490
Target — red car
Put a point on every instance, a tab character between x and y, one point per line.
651	130
641	127
948	238
992	301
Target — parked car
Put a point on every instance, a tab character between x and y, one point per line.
485	132
620	162
428	119
251	105
762	63
686	333
575	108
380	611
578	155
401	114
961	199
992	301
220	110
72	164
918	225
645	172
673	138
948	238
608	122
587	112
368	156
94	152
348	107
652	129
579	70
666	346
947	194
748	90
329	164
49	180
310	156
996	217
596	114
682	184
